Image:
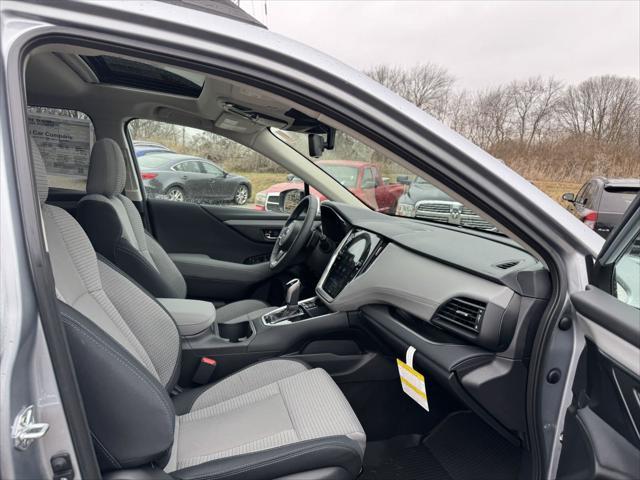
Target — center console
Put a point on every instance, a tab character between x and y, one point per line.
303	310
286	330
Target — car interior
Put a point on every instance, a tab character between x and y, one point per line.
214	341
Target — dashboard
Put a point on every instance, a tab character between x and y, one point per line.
469	302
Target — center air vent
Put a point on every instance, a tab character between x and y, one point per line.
507	265
463	312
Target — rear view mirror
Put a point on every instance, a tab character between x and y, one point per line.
569	197
318	144
403	179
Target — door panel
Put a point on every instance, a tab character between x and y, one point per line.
601	439
601	435
228	245
231	234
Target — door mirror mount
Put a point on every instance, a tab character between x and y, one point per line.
403	180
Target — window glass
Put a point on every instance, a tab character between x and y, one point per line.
627	275
228	173
589	193
136	74
65	139
361	169
211	168
190	167
617	200
580	195
368	180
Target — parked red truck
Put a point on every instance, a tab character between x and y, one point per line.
361	178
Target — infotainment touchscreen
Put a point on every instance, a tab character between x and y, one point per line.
355	253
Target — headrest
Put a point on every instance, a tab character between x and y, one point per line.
106	169
42	181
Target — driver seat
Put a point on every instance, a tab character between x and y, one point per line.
114	226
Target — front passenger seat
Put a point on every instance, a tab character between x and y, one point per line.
115	229
274	419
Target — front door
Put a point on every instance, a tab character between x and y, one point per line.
601	436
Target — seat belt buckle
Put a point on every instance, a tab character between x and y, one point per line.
205	370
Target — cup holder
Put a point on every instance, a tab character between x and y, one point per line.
235	332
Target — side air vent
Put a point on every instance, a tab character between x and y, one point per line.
507	265
463	312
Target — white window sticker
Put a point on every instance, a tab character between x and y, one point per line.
412	381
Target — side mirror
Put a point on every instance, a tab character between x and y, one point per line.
403	179
317	143
290	177
289	199
569	197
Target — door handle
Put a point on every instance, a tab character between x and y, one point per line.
271	234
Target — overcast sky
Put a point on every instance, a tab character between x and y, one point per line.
481	43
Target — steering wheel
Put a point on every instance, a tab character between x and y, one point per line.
295	233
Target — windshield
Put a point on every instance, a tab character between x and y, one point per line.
346	175
384	185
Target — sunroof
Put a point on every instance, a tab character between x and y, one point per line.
130	73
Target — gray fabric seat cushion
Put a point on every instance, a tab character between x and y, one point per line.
271	404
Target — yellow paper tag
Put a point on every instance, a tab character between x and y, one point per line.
413	384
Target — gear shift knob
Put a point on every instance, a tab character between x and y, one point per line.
293	293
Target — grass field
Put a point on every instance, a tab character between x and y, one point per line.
556	189
262	181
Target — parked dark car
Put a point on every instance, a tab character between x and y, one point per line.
143	148
185	178
601	202
423	200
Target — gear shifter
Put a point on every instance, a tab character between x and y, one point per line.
290	311
292	296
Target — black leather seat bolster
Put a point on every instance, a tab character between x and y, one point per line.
340	452
118	390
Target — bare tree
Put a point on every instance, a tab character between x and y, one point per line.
425	85
390	77
605	108
535	102
490	117
152	130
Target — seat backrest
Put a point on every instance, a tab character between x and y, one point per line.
115	227
125	346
